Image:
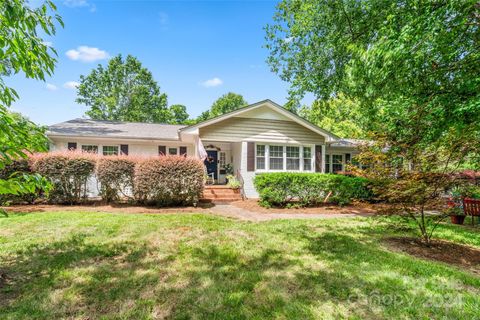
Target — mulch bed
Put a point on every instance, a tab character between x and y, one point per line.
451	253
357	208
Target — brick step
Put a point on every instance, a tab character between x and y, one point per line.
222	200
225	192
216	197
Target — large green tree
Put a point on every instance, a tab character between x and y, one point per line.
226	103
413	66
414	69
124	90
179	114
23	51
339	115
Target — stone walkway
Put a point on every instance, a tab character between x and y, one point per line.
230	211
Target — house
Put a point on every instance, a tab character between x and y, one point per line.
261	137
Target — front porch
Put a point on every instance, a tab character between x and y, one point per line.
223	159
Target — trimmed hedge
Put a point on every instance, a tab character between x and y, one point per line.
115	175
69	173
169	180
308	189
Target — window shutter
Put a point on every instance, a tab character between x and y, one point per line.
124	149
162	150
72	146
318	158
348	158
183	151
250	156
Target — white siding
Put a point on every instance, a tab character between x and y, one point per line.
238	129
248	176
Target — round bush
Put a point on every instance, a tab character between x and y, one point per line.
115	175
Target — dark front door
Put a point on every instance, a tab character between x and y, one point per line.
211	162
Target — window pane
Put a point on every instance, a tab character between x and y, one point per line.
276	151
293	152
260	150
260	163
110	150
307	152
293	164
276	163
172	151
90	148
307	164
337	161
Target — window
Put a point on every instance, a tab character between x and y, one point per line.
327	163
293	158
172	151
307	159
89	148
260	156
276	157
110	150
222	160
337	163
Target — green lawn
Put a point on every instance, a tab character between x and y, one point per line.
81	265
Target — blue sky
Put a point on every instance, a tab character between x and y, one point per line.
196	50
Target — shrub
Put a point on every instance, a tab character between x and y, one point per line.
306	189
17	167
169	180
69	173
115	175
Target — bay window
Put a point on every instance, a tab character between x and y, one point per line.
276	157
283	158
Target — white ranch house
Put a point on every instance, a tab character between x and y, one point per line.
262	137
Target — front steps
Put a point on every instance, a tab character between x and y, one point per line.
220	194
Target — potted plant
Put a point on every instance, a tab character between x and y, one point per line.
228	171
233	182
457	216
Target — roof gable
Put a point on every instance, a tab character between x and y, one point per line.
265	109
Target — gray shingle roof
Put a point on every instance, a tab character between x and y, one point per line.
115	129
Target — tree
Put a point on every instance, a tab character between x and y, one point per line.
340	116
179	114
23	51
411	66
226	103
123	91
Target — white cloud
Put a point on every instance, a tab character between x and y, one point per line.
51	87
80	4
214	82
71	85
87	54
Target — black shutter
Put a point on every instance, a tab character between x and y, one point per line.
183	151
72	146
250	156
124	149
318	158
162	150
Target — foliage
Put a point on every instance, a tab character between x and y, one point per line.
308	189
339	115
233	182
226	103
115	175
68	172
413	68
414	181
123	91
23	186
169	180
179	114
23	51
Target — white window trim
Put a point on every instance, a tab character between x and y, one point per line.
90	145
110	145
331	161
267	157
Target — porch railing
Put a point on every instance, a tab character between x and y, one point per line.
242	182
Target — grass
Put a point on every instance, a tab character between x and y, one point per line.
81	265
